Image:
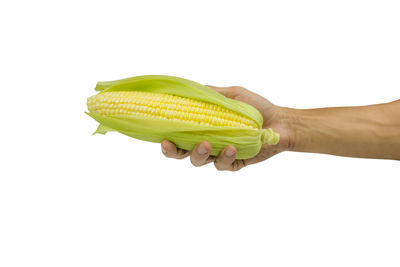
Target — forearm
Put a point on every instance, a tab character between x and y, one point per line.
366	131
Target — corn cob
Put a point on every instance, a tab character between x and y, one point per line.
155	108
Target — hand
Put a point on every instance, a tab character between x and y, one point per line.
273	118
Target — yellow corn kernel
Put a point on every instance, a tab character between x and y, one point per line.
167	107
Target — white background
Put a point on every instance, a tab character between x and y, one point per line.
71	199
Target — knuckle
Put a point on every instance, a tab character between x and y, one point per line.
196	162
238	88
234	169
180	157
168	155
238	164
219	166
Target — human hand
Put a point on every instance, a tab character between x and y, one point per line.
273	117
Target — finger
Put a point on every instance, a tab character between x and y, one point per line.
231	91
238	164
246	96
266	152
226	159
201	154
171	151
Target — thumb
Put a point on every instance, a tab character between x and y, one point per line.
231	91
241	94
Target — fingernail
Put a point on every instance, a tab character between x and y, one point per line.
202	150
229	153
163	150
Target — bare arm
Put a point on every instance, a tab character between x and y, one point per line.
366	131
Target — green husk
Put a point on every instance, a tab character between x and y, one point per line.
184	135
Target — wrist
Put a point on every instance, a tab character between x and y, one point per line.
285	124
304	128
